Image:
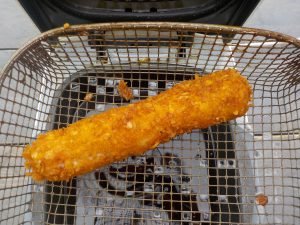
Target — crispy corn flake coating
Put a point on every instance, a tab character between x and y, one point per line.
131	130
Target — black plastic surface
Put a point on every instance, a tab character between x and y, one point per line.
50	14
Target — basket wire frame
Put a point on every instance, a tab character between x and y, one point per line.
241	172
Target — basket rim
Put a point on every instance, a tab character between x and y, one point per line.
150	25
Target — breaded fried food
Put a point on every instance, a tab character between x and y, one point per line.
131	130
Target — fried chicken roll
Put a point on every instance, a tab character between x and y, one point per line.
131	130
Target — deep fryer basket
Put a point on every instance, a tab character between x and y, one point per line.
241	172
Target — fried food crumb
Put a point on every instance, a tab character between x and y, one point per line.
66	25
88	97
125	91
261	199
144	60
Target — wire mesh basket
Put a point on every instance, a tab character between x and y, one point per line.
240	172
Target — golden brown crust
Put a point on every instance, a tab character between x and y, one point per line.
131	130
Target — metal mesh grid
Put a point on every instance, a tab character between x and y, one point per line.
222	175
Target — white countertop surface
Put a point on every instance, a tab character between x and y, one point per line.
16	26
277	15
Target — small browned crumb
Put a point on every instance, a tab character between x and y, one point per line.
104	60
125	91
144	60
88	97
261	199
84	33
66	25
